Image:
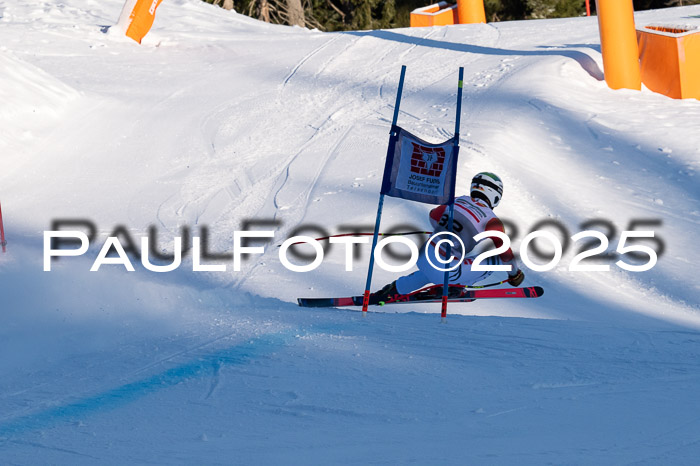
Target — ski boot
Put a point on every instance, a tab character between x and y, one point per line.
388	294
454	292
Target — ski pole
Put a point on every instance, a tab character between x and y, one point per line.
436	287
490	284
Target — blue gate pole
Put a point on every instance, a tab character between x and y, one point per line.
387	172
453	182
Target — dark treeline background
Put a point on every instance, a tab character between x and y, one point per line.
340	15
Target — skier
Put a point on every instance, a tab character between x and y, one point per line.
472	215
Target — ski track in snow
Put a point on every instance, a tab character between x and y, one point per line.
308	56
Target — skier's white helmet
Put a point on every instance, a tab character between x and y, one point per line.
488	187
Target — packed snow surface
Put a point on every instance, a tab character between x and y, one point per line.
220	123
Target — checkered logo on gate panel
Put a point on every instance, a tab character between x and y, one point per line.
427	161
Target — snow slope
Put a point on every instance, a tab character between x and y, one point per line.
217	120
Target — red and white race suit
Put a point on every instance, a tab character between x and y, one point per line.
471	217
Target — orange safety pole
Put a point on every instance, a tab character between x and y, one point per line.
618	41
588	7
471	11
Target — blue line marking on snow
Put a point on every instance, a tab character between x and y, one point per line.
204	365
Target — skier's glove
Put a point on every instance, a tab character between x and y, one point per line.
516	279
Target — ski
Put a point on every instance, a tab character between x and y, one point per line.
429	296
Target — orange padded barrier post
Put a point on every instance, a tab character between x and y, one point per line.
137	18
437	14
618	40
471	11
670	60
